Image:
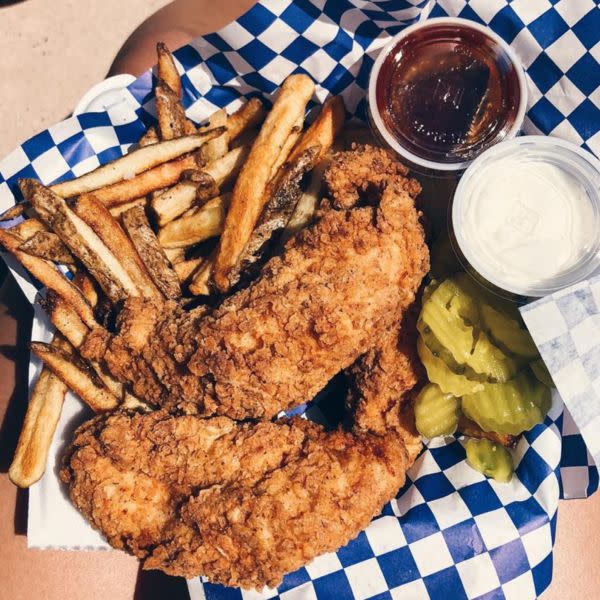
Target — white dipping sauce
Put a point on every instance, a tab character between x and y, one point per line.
527	221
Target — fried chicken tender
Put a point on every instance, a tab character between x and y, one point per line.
335	291
383	384
242	504
368	170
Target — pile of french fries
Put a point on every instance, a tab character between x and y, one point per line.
188	213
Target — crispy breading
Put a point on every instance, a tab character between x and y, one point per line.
338	287
242	503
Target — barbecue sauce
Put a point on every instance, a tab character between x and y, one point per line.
447	93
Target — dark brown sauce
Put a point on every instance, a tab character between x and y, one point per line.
447	93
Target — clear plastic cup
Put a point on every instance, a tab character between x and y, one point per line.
427	49
577	164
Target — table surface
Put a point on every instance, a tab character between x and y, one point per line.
52	574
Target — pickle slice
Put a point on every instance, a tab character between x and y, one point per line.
490	458
541	372
508	333
439	372
436	413
446	325
511	407
483	295
487	359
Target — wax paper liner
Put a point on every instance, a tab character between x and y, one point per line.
450	532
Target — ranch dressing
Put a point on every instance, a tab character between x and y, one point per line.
530	221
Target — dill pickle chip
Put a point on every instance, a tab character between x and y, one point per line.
511	407
483	295
490	458
487	359
436	413
508	333
439	372
541	372
447	326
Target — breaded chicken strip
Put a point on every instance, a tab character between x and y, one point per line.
383	384
335	291
242	504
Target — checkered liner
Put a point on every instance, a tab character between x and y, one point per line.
450	532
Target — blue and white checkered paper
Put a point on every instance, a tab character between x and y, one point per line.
566	329
450	532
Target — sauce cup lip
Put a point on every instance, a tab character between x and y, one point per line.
561	151
391	141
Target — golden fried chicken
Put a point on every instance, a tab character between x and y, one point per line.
242	504
335	291
383	383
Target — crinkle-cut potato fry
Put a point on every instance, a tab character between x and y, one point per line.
249	192
218	146
175	255
149	138
251	114
186	268
200	284
41	418
48	245
76	376
98	217
133	163
203	224
48	274
167	71
28	228
84	243
117	210
154	257
157	178
170	114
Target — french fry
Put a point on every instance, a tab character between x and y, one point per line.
14	211
251	114
28	228
169	112
162	176
86	285
65	319
76	376
201	225
48	245
47	274
306	206
201	185
324	129
41	418
175	255
287	148
149	138
248	196
186	268
134	163
167	71
174	201
117	210
200	285
148	247
97	216
84	243
217	147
